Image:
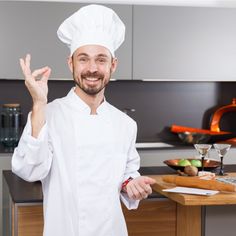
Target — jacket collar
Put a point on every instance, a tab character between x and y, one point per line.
82	106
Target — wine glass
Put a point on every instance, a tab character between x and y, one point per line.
221	149
203	149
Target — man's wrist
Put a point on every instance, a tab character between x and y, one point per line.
124	184
39	107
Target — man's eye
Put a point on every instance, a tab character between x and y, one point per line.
102	60
83	59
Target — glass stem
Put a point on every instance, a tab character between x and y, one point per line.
221	166
202	163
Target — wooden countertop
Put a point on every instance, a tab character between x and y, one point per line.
221	198
31	192
22	191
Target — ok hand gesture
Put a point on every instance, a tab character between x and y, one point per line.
36	82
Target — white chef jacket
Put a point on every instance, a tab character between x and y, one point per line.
81	160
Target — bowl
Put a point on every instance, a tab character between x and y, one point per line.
193	137
209	165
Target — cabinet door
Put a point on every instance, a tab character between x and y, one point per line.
220	220
30	27
153	217
29	221
184	43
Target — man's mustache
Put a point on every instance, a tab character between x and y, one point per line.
92	75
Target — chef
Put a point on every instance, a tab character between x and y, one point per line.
81	147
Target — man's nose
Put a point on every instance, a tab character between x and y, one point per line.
92	66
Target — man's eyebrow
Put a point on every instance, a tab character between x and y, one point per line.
85	54
102	55
82	54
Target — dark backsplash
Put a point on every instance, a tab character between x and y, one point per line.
157	105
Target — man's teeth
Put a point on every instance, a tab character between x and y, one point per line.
91	79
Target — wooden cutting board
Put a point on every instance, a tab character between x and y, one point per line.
222	198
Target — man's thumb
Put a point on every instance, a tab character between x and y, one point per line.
149	180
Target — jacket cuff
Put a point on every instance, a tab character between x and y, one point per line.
129	203
31	145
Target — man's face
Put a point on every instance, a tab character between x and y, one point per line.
92	66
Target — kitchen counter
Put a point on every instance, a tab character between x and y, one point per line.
22	191
24	194
222	198
191	209
23	205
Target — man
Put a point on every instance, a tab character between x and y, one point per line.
81	147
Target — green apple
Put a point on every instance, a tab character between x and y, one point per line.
184	162
196	163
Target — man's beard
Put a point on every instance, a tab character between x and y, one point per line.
90	90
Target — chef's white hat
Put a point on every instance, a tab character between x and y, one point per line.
92	25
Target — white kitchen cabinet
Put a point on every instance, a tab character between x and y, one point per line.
163	43
30	27
184	43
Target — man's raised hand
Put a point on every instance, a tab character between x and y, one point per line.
36	82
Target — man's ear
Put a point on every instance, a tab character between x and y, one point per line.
114	64
70	63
